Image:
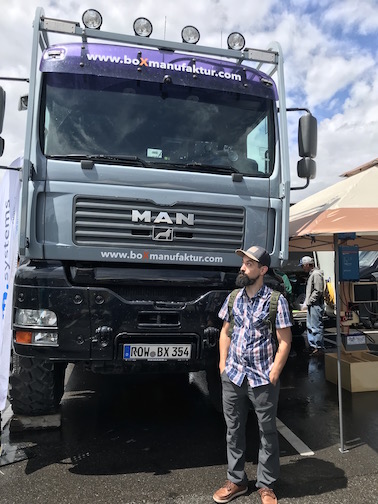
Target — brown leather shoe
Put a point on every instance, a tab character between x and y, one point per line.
267	496
229	491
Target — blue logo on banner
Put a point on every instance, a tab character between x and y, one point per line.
4	302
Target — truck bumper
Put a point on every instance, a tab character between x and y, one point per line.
94	322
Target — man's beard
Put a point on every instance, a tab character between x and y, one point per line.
242	280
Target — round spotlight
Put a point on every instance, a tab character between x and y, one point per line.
92	19
142	27
235	41
190	35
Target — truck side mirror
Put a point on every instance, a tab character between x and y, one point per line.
306	168
307	136
2	108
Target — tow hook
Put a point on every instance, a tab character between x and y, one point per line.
211	336
102	336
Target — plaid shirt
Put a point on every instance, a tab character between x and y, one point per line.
252	348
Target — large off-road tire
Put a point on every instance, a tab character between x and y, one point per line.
37	386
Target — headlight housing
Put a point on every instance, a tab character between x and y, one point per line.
36	327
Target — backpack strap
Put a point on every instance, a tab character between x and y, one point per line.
231	302
271	318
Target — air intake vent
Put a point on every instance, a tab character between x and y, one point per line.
108	222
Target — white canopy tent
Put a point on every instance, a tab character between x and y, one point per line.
349	206
328	218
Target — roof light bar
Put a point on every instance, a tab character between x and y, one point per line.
190	34
92	19
142	27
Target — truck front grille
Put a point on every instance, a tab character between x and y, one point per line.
108	222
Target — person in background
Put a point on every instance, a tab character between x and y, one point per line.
250	364
314	303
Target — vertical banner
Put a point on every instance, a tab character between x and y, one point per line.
10	187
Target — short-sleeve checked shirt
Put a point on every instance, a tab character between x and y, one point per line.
252	348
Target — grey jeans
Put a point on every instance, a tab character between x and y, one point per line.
236	403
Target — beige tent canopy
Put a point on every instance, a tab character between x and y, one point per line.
349	206
320	222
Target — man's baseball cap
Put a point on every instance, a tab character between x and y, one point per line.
256	253
306	260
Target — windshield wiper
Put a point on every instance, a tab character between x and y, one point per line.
103	158
213	168
194	166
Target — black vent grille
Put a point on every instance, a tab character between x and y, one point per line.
108	222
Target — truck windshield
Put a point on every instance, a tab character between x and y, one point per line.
163	125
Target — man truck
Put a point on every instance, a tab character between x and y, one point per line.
147	163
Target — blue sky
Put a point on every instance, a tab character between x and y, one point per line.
330	49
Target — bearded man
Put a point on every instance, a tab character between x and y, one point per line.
250	363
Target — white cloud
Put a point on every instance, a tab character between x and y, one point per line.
330	74
354	131
351	15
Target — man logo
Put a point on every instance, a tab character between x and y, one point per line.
179	219
159	235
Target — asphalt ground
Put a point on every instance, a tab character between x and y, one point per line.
148	440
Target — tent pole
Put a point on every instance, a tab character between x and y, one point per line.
338	340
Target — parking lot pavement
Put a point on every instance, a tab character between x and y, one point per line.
137	441
309	407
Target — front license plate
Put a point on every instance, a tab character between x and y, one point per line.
156	352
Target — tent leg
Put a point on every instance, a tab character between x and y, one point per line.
338	342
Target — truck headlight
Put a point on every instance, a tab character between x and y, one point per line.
45	338
35	327
43	318
39	338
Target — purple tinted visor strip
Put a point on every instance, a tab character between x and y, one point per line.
154	65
